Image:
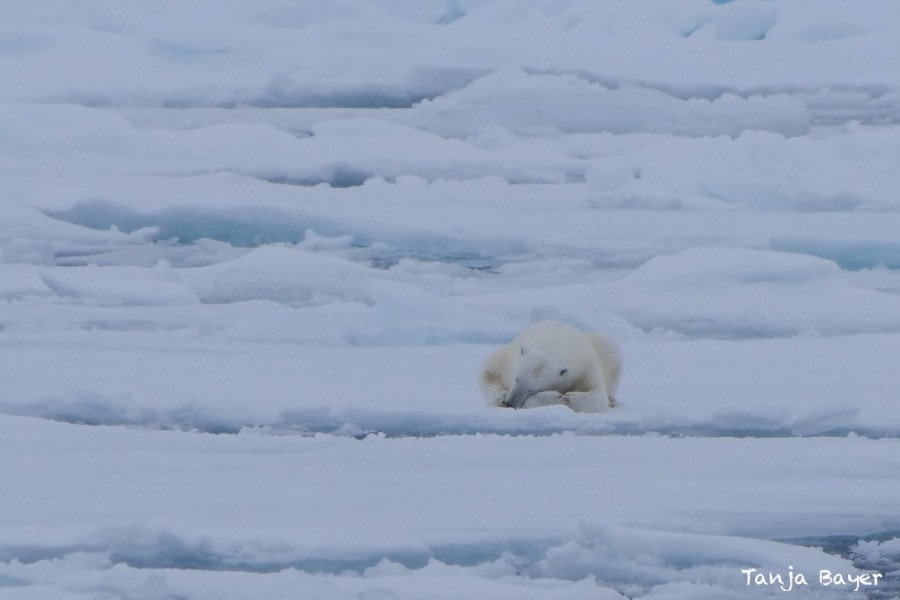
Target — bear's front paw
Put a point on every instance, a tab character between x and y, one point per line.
586	401
546	398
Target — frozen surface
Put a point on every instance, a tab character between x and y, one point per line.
252	255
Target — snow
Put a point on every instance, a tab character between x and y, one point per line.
253	254
309	505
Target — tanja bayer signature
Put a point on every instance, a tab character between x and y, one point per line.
824	578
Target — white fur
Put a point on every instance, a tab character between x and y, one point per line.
553	363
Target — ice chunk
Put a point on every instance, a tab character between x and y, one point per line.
534	104
736	293
116	286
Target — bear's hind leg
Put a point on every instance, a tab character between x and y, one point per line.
492	388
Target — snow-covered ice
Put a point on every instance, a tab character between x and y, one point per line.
253	253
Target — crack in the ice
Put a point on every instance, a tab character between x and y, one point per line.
140	548
195	417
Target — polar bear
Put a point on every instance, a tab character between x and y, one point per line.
553	363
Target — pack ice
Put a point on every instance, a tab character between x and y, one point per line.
253	254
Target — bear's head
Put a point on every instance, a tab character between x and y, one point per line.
534	372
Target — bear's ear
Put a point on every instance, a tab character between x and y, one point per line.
562	372
522	350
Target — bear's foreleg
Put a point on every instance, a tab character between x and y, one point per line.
593	401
